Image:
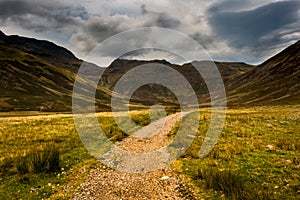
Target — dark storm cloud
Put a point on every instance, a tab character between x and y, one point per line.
203	40
166	21
224	27
255	28
102	28
160	19
19	7
234	5
37	15
143	9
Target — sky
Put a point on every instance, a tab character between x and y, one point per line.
249	31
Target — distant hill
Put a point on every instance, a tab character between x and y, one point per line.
153	93
276	81
39	75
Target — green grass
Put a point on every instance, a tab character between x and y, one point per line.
34	150
41	156
241	166
228	181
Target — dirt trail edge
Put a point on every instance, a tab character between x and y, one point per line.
110	184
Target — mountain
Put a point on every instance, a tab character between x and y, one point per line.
276	81
153	93
30	79
45	50
39	75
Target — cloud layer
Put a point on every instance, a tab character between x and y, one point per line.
229	30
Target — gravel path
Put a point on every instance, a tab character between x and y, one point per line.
126	183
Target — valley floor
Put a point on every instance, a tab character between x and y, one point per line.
256	157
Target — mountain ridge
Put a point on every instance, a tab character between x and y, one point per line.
278	78
120	67
55	74
29	82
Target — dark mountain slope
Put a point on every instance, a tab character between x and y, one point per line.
31	83
275	81
228	70
47	51
153	93
39	75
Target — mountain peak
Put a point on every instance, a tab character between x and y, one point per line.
2	35
46	50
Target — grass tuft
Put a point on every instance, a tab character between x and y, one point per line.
6	164
46	160
287	144
227	181
231	183
22	165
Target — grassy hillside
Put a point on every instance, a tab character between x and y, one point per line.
153	93
30	83
39	75
44	50
276	81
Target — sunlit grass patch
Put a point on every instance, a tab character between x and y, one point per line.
38	151
33	152
258	149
